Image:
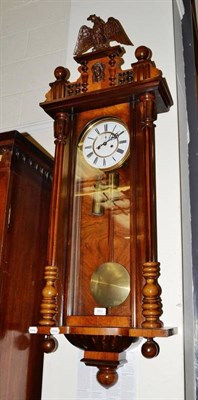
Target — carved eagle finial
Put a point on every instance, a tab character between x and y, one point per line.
100	35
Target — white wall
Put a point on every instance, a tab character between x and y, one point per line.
33	42
36	37
189	328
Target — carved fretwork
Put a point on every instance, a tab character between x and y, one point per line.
91	78
125	77
74	89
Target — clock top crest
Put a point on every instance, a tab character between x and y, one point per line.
102	289
101	69
100	36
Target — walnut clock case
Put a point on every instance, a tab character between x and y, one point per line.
102	270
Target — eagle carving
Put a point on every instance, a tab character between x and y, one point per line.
100	35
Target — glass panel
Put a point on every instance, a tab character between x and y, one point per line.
100	245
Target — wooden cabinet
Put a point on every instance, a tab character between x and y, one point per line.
25	183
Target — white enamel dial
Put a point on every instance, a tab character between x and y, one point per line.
106	143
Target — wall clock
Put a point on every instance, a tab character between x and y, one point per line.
102	289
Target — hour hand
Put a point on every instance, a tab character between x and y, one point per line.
106	141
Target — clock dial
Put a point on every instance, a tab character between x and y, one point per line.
106	143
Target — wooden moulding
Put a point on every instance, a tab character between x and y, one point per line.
111	96
131	332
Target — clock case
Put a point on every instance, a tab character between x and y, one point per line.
135	96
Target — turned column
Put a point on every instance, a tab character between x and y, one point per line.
49	293
152	305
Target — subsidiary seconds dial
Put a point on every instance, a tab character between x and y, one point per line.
106	143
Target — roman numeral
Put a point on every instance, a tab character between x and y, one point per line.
89	137
114	128
97	131
105	127
122	141
88	147
120	151
90	154
104	162
95	161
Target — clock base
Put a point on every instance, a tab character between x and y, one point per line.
104	347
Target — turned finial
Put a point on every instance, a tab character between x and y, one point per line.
61	73
107	376
150	349
143	53
50	344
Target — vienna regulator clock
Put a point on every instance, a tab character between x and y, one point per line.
102	289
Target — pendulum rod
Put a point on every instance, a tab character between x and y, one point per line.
113	182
